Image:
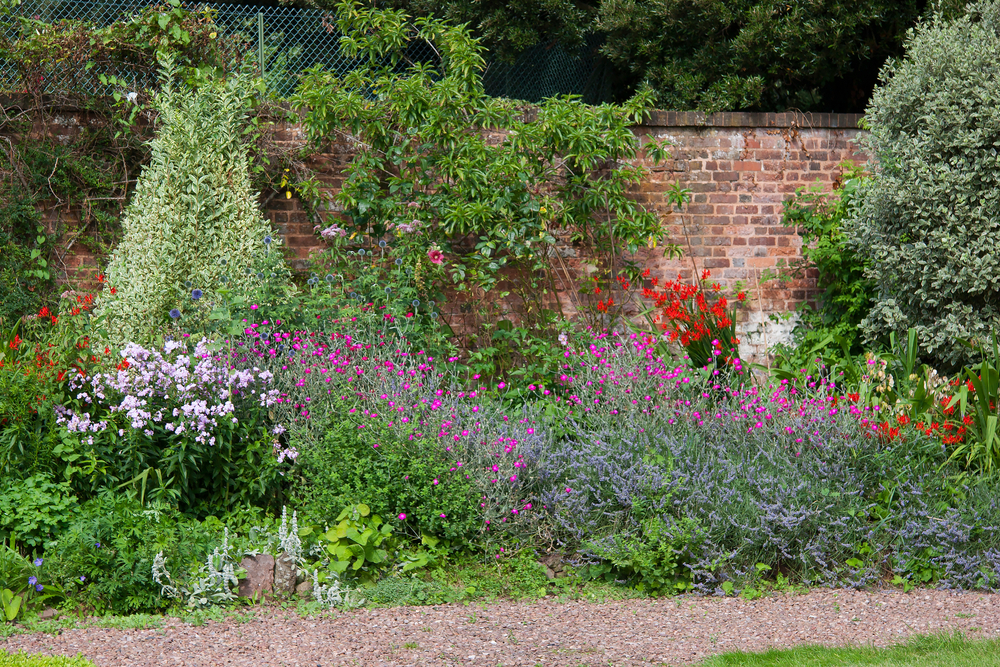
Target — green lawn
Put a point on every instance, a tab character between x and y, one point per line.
926	651
23	660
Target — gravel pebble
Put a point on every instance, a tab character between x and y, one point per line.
669	631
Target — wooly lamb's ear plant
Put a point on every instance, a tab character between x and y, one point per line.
214	582
193	233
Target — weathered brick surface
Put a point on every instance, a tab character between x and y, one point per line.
739	167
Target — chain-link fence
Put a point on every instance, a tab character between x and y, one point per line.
288	40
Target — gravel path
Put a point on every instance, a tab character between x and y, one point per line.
670	631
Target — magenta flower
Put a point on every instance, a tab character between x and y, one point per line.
435	255
402	517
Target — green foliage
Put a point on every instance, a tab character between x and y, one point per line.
192	214
653	561
392	476
754	54
20	659
10	604
439	166
925	221
979	398
22	288
919	651
119	52
358	541
508	28
382	285
846	295
35	510
112	543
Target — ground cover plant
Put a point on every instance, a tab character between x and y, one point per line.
917	652
204	408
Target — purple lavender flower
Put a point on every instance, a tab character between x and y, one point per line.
32	580
37	562
174	313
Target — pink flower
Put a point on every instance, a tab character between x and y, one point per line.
435	255
254	307
435	482
402	517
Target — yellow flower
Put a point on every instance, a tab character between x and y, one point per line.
288	194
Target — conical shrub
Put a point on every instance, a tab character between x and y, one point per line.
193	222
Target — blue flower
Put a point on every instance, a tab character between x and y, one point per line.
260	275
430	304
329	277
267	240
312	281
32	581
195	294
174	313
434	316
381	244
39	588
388	289
415	303
98	545
37	562
223	261
353	295
361	252
82	578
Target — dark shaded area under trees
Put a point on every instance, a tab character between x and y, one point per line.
709	55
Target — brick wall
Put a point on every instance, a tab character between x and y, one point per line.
740	167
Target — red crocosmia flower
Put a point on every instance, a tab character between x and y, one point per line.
44	312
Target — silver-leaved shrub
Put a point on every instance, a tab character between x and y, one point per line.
927	221
193	225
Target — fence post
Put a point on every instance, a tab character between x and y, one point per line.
260	42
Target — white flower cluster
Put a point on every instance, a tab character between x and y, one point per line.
181	391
